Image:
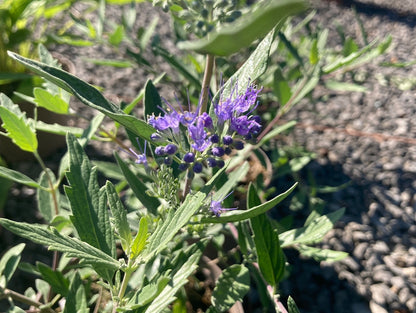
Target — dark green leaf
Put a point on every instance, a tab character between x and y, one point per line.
56	279
88	201
55	241
269	253
9	262
87	95
251	26
138	187
281	87
76	300
232	285
119	214
152	100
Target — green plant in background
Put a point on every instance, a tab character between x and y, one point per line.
131	244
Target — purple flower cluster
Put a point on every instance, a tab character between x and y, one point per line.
198	141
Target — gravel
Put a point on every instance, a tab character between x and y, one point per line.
365	138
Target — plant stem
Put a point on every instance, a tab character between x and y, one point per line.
124	284
23	299
209	65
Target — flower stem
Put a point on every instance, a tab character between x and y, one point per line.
209	65
23	299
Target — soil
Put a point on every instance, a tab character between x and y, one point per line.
367	139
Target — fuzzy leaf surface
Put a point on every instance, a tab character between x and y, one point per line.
87	94
251	26
9	262
65	244
88	202
269	253
232	285
17	177
44	198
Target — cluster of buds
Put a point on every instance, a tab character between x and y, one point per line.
197	141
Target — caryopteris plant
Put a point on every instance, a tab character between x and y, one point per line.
175	194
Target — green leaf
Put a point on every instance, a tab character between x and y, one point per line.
107	62
17	177
314	54
87	95
9	262
320	255
183	267
313	232
343	86
152	101
147	294
76	300
50	102
232	285
88	201
175	220
239	215
253	68
140	240
45	199
281	87
55	279
117	36
251	26
291	305
119	214
58	129
276	131
138	187
270	256
55	241
18	127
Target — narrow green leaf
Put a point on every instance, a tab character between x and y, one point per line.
45	200
183	267
239	215
251	26
58	129
108	62
276	131
175	220
50	102
17	126
17	177
152	101
313	232
138	187
314	54
344	86
88	201
269	253
281	87
55	279
253	68
147	294
320	255
291	305
56	241
232	285
9	262
119	214
76	300
140	240
117	36
87	95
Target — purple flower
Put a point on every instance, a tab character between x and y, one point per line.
224	110
211	162
205	120
161	123
240	125
197	167
159	151
216	207
247	100
227	140
199	136
171	149
218	151
187	118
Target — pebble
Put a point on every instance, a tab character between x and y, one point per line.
376	308
382	294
